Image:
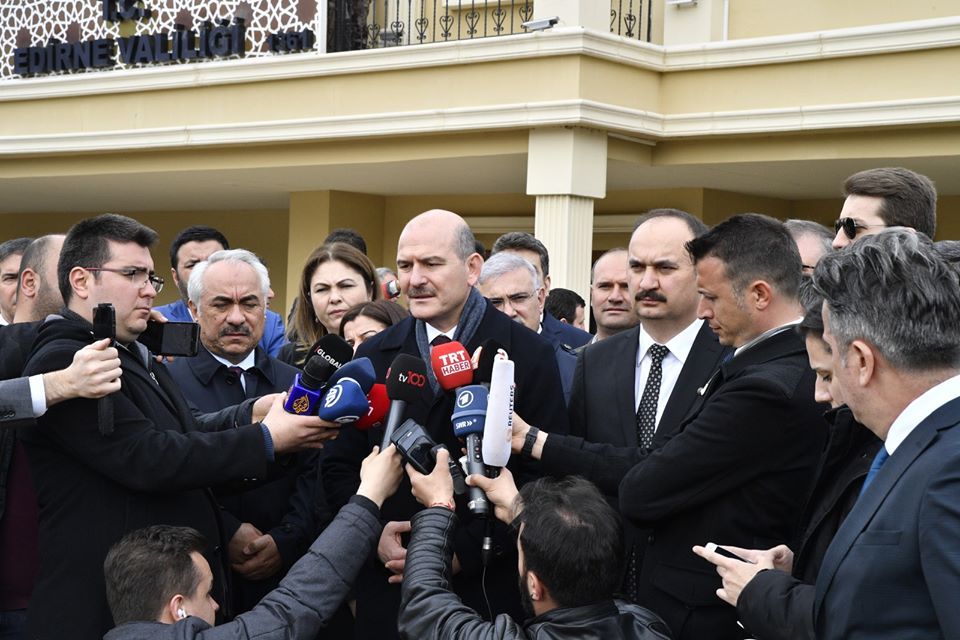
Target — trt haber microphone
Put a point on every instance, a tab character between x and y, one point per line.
333	349
451	365
468	421
406	381
304	395
499	424
378	403
345	399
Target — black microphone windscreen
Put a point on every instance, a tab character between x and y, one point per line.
406	378
333	349
316	372
488	353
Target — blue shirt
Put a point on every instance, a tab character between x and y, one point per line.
273	338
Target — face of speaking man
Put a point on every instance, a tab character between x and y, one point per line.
231	311
513	294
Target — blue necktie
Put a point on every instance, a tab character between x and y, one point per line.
878	461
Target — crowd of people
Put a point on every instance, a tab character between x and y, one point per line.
780	390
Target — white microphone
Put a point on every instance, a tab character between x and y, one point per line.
498	428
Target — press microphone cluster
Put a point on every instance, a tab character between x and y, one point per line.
406	382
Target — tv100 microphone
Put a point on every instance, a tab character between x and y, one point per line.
468	422
406	381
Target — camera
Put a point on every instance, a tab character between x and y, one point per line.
420	451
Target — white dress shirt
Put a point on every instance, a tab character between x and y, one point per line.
679	346
919	410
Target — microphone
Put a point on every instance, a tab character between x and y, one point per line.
378	403
468	421
490	351
390	290
498	429
304	395
451	365
345	398
333	349
406	379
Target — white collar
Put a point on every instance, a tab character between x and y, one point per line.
769	333
679	345
919	410
433	332
244	364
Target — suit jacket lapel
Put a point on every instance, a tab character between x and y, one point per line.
872	499
621	376
704	358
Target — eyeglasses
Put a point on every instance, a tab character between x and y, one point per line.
515	299
851	227
138	276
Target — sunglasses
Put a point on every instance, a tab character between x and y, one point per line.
851	227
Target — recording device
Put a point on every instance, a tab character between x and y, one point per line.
498	429
406	380
490	352
468	422
105	326
420	451
712	546
305	394
171	338
333	349
390	290
451	365
378	404
345	397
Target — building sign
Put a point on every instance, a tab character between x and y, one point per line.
46	37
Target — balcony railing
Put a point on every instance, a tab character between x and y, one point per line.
372	24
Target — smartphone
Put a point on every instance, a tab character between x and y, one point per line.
712	546
171	338
415	446
104	321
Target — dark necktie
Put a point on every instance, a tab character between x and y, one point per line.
440	339
647	409
878	461
235	376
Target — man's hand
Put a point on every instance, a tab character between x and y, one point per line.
391	551
261	406
436	488
94	373
501	491
263	559
736	573
380	474
245	535
292	433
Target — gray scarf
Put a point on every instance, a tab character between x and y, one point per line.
470	319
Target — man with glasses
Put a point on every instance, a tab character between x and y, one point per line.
137	457
512	285
885	197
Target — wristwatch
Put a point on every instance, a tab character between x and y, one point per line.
529	441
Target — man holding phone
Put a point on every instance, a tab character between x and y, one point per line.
153	464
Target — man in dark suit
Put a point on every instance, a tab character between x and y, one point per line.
527	246
512	286
891	311
227	294
98	478
742	461
438	267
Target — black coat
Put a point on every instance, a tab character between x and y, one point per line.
539	399
738	472
94	488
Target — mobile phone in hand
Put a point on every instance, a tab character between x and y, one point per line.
712	546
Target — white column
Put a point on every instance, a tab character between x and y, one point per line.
592	14
566	171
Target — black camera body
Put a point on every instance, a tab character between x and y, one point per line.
420	451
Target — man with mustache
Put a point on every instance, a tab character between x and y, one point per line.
634	388
227	294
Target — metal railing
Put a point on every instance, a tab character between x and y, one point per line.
373	24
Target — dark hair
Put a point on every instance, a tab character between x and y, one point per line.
909	199
148	567
696	225
949	250
386	312
603	255
526	242
348	236
14	247
811	301
304	327
35	257
86	245
752	247
572	539
562	304
196	233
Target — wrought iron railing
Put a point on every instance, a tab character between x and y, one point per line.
372	24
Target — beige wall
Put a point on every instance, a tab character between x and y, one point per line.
752	18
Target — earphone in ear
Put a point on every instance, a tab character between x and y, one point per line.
181	613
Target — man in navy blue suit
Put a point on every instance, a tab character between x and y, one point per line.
891	312
527	246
